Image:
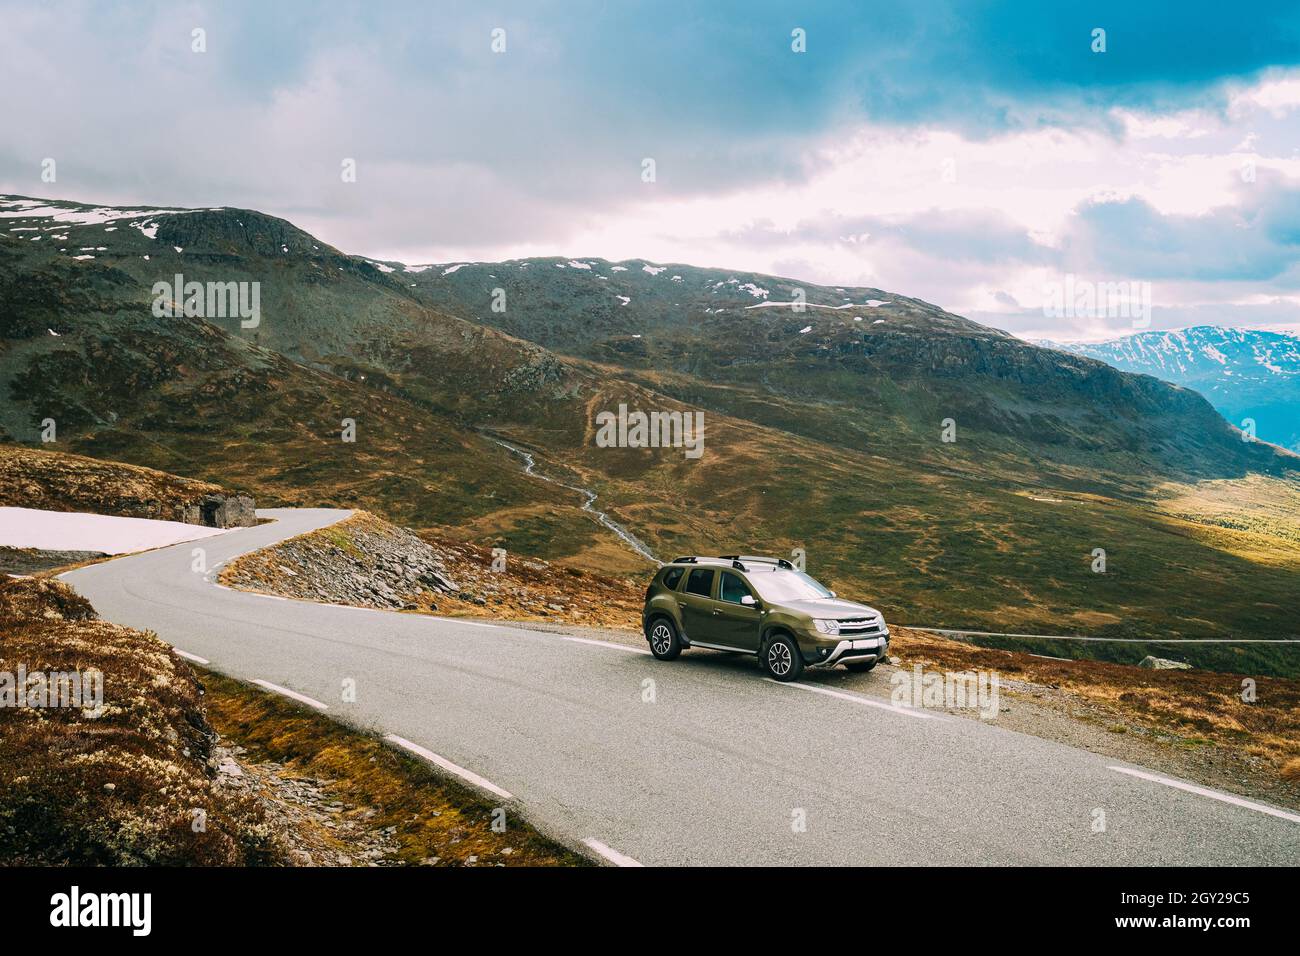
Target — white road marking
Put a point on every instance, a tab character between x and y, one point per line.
618	647
445	764
854	698
618	859
1110	640
191	657
303	698
461	620
1212	794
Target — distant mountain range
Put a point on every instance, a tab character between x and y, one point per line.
1246	374
948	472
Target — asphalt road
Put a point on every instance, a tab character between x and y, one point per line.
708	764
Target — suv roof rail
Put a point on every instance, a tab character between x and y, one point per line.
685	560
779	562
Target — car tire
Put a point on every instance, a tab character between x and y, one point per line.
664	642
781	658
860	667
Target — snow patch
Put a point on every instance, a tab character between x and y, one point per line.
81	531
82	216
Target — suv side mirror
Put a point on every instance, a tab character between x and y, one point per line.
748	600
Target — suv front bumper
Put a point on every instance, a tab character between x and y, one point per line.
860	649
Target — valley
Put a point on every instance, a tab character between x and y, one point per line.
825	427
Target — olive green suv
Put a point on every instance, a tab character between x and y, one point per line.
760	606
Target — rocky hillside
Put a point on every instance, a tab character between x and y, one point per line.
362	561
367	562
1245	373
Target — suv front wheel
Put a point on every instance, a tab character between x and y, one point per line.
781	658
664	643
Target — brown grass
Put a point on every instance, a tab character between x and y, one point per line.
122	788
1195	705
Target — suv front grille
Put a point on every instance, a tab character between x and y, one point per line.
860	625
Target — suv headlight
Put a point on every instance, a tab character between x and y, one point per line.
826	626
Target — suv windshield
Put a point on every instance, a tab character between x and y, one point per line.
778	585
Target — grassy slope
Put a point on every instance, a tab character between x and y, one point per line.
56	481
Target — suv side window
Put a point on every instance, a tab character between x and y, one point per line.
700	582
671	577
732	588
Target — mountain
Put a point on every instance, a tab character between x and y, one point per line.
1245	373
858	367
825	429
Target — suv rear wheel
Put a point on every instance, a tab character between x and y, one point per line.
664	643
781	658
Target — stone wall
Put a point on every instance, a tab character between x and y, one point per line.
219	511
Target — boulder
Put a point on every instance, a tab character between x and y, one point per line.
1163	664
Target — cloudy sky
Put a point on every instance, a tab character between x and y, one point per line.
968	153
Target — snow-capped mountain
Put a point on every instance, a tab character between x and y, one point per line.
1245	373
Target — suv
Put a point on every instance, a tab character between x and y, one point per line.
760	606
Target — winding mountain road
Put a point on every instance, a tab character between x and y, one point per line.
699	761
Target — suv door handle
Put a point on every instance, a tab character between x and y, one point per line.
716	611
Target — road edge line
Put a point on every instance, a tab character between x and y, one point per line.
612	855
618	647
1207	792
857	699
467	775
293	694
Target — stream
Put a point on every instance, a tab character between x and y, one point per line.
588	504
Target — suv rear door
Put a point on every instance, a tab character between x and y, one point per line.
696	601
